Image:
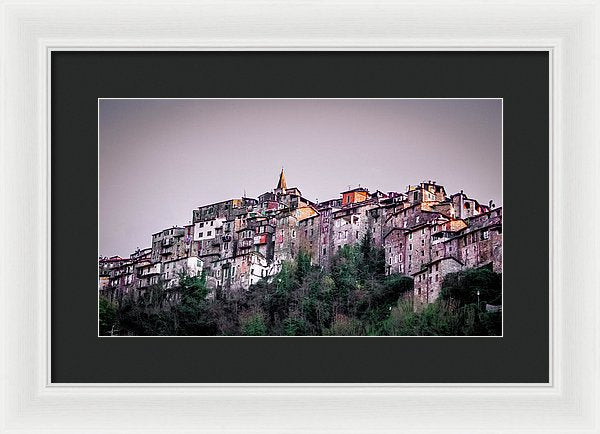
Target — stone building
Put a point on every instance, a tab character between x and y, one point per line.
109	271
170	244
425	234
172	269
428	280
309	231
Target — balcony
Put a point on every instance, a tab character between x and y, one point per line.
167	242
247	242
166	252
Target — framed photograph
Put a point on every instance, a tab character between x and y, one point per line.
368	262
322	218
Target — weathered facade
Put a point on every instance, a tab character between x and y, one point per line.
425	234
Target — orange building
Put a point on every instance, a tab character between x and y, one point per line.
354	196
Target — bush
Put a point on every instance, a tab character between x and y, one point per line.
461	287
344	326
107	316
254	325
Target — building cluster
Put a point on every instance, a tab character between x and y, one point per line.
426	234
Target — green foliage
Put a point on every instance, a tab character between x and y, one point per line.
295	327
344	326
353	298
193	317
461	287
442	319
107	314
164	312
254	325
302	265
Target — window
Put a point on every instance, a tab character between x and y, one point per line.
423	231
422	252
201	234
324	251
410	236
415	196
357	234
485	235
410	247
293	234
345	234
201	224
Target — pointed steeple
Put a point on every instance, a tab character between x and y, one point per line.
281	184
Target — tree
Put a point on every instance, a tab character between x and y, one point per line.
254	325
461	287
372	260
192	315
302	265
107	314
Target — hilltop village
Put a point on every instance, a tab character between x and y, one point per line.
425	233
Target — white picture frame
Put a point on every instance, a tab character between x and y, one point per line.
31	30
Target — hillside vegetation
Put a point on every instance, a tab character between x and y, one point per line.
353	298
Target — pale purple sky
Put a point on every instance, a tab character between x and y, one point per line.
160	159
